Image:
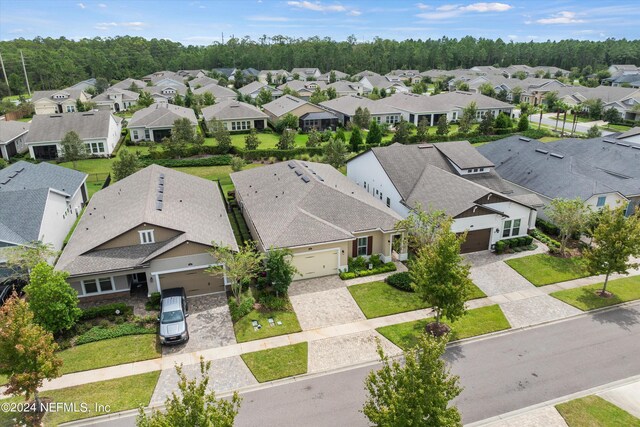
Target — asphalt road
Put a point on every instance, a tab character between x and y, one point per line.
550	120
499	374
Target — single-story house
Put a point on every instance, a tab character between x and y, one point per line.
418	107
155	122
159	76
345	108
12	138
386	83
191	74
345	87
228	73
220	93
147	232
319	121
115	100
236	115
84	85
253	89
412	76
40	202
164	94
127	84
365	73
338	75
622	99
445	176
303	88
58	101
201	82
99	130
317	213
288	104
277	76
600	171
306	73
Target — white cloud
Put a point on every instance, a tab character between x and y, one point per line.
512	37
354	13
561	18
453	10
321	7
81	5
263	18
102	5
423	6
108	25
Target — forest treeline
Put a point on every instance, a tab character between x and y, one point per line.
55	63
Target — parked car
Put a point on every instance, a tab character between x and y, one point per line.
7	288
173	317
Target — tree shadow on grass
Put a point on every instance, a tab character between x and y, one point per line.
624	317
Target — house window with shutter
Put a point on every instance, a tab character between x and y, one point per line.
363	246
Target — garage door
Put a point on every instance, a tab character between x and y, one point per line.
194	282
477	240
316	264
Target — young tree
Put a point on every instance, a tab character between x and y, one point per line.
332	77
516	94
374	137
208	99
53	301
335	153
487	90
314	139
402	132
339	135
127	163
422	130
443	126
594	107
287	139
421	226
416	393
145	99
288	121
570	216
73	149
20	260
356	139
134	88
503	121
178	100
264	97
551	100
280	270
440	278
486	124
196	405
181	136
221	134
464	124
237	163
611	115
318	96
362	117
251	140
617	240
27	350
331	93
240	267
594	132
523	123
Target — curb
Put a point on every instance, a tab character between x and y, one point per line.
553	402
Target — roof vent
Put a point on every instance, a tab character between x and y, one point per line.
320	178
160	197
158	205
305	178
291	165
87	114
609	141
6	181
557	156
425	146
524	138
298	172
540	150
624	144
637	147
160	188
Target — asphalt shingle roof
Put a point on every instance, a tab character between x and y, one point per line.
88	125
10	130
348	105
283	105
232	109
161	115
442	102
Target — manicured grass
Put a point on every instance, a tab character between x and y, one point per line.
377	299
111	352
119	394
581	119
245	332
585	298
544	269
594	411
276	363
478	321
89	166
617	128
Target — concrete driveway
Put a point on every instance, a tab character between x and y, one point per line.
209	325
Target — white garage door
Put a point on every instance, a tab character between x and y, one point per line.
316	264
194	282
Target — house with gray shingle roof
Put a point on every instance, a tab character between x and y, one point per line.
253	89
201	81
306	73
116	100
127	84
149	231
451	177
39	202
339	76
277	76
58	101
288	104
99	130
600	171
155	122
388	83
345	108
236	116
220	93
314	210
304	89
345	87
12	138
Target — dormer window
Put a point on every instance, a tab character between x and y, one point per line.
146	237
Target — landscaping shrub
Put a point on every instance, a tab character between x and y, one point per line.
357	264
376	261
154	301
106	310
218	160
518	244
99	333
272	302
244	308
400	281
554	245
501	246
384	268
279	154
547	227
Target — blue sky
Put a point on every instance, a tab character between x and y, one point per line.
203	22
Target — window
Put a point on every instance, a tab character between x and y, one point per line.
454	116
469	170
601	201
105	284
392	119
511	228
146	236
135	134
388	202
95	147
242	125
71	108
362	245
94	286
147	134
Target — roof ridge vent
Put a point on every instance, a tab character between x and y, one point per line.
524	138
557	156
540	150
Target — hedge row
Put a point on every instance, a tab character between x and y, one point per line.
99	333
547	227
279	154
516	242
385	268
219	160
553	245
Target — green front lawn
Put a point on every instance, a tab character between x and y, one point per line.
544	269
377	299
276	363
119	394
585	298
617	128
115	351
594	411
91	166
478	321
245	332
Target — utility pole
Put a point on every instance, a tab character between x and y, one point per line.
4	73
25	73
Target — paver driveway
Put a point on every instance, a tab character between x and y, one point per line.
209	325
325	308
